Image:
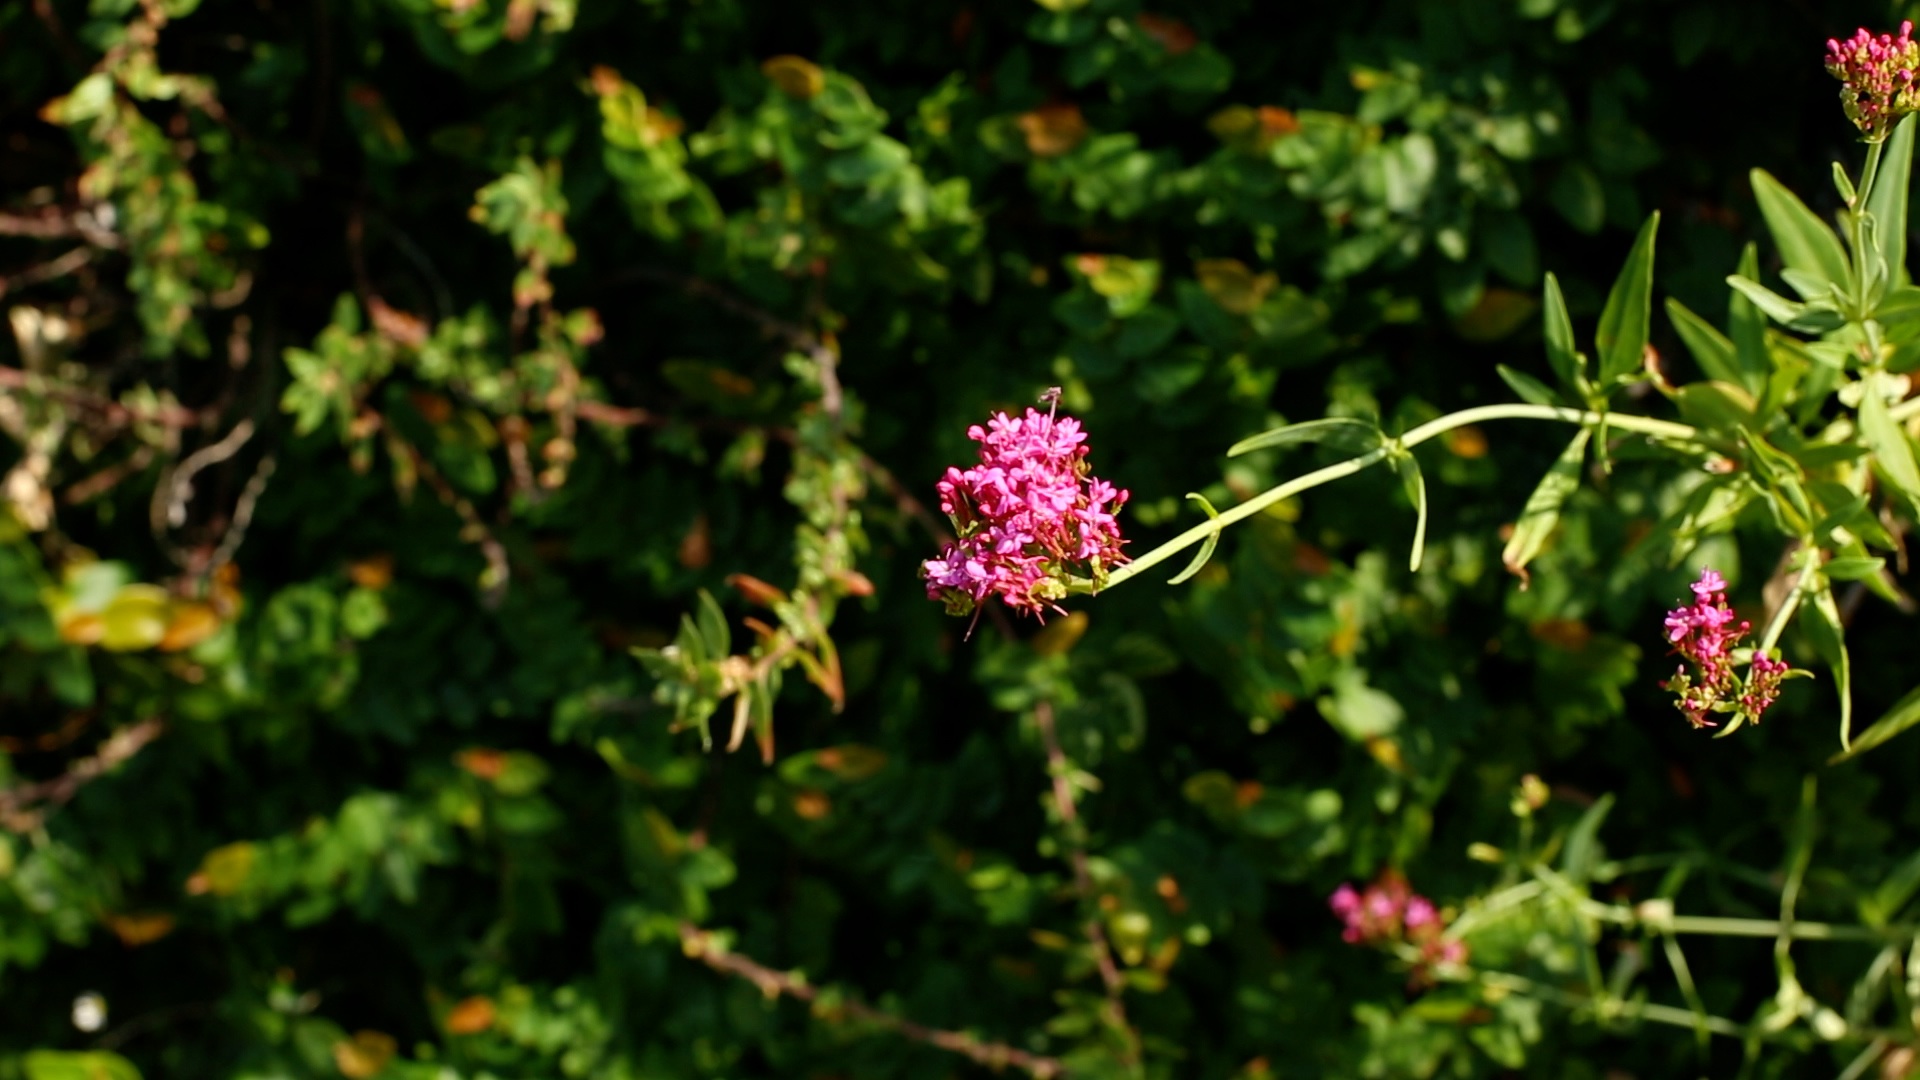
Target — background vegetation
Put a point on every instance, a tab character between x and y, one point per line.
383	372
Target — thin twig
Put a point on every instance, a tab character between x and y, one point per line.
1059	769
47	271
18	812
30	382
704	946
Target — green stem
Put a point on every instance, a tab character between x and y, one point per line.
1869	174
1659	1014
1645	425
1810	555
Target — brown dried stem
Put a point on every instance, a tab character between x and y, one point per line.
1059	769
18	810
705	946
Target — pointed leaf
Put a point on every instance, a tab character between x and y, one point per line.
1887	202
1542	511
1812	318
1748	329
1416	488
1892	450
1339	432
1820	620
1531	390
1569	365
1206	546
1904	714
1710	348
1806	243
714	633
1624	322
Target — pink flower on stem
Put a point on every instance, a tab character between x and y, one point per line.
1029	515
1388	913
1878	73
1705	634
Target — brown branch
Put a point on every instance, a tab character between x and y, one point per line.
115	413
50	270
17	810
1074	834
57	223
704	946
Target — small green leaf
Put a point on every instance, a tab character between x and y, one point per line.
1806	243
1715	406
1892	450
1416	488
1887	202
1569	365
1531	390
1542	511
714	633
1820	620
1625	321
1843	184
1338	432
1748	328
1813	318
1904	714
1582	851
1206	546
1853	569
1710	348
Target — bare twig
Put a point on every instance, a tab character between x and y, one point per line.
55	223
236	533
112	411
170	496
18	812
1074	834
704	946
475	530
47	271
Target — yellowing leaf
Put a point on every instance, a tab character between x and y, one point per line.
136	618
224	870
143	928
471	1016
1053	130
796	77
1231	285
188	624
365	1055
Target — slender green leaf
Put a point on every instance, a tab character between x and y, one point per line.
714	633
1892	450
1710	348
1625	321
1887	202
1747	327
1853	569
1416	488
1820	620
1338	432
1811	318
1582	851
1904	714
1806	243
1542	511
1843	184
1206	546
1531	390
1569	365
88	1065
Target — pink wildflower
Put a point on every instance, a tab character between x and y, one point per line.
1704	634
1878	76
1388	913
1030	517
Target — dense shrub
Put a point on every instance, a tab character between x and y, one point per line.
439	432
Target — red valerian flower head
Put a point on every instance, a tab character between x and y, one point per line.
1879	77
1030	517
1704	634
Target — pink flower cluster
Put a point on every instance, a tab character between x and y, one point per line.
1705	633
1388	912
1878	73
1029	516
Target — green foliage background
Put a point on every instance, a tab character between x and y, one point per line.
542	319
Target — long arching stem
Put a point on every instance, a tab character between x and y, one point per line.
1431	429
